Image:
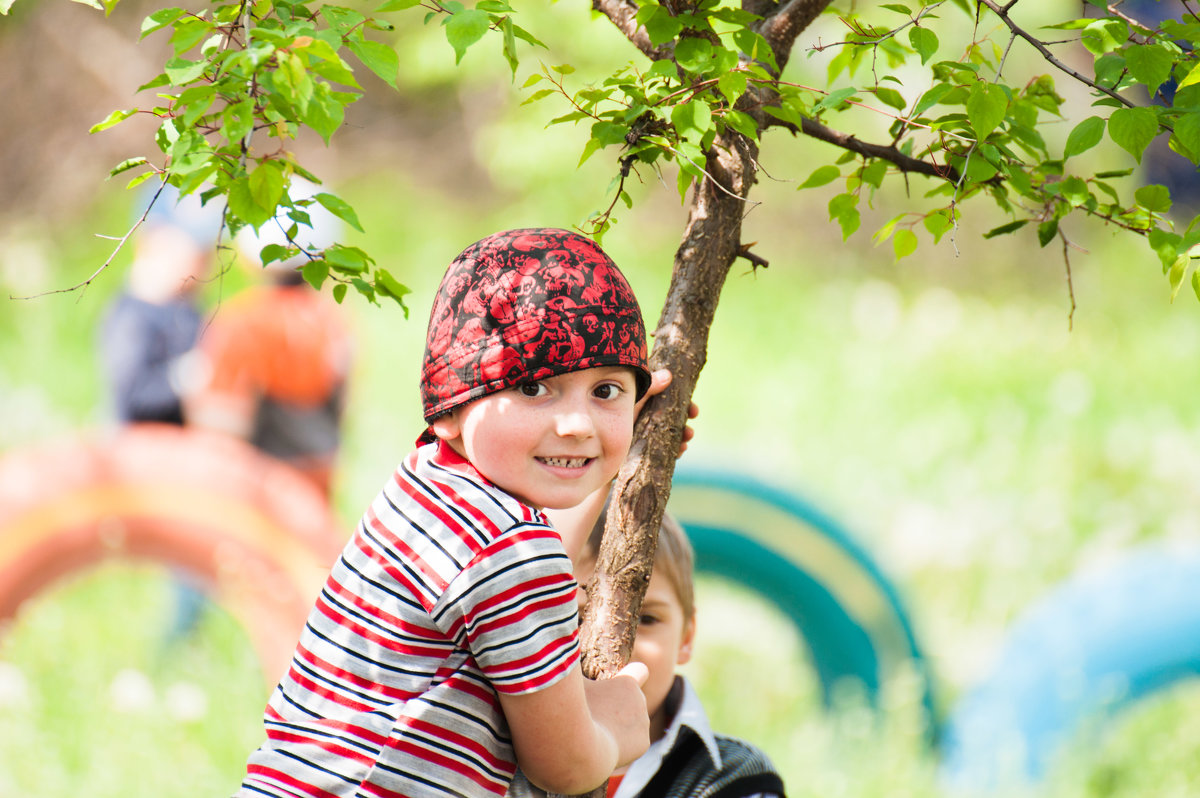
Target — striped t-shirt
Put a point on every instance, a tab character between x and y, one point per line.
450	591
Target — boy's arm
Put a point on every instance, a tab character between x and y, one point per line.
571	736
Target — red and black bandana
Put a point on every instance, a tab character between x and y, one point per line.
524	305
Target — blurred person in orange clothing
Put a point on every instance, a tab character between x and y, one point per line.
272	366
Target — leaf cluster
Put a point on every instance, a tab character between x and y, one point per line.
913	94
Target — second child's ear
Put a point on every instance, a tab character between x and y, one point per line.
685	644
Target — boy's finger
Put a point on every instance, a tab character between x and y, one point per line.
659	380
636	671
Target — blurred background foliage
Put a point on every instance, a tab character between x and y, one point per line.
979	437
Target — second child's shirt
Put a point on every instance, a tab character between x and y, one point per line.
449	591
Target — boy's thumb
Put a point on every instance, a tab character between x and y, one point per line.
636	671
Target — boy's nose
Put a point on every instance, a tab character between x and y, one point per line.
575	423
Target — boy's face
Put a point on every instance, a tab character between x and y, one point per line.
664	640
549	443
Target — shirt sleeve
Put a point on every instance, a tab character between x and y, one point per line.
514	608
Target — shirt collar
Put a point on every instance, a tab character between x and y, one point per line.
689	713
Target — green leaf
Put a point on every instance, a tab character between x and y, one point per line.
1196	283
1005	229
732	85
986	108
1104	36
1176	273
266	186
315	272
821	176
181	72
938	223
742	123
377	57
1149	64
589	149
844	209
835	98
1193	77
339	292
385	282
243	206
692	119
1110	70
238	120
1133	129
904	243
754	46
126	165
278	252
325	113
509	48
1087	134
339	208
1074	190
1154	198
342	20
931	98
464	28
1187	130
1166	245
874	172
661	27
160	19
924	41
347	260
396	5
1046	231
115	118
891	97
694	55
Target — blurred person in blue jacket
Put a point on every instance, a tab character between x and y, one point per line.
155	320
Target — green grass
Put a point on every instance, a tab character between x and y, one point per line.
943	409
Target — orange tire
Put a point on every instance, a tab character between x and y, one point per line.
259	535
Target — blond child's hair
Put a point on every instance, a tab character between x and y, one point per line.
674	557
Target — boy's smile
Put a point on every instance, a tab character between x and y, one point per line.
549	443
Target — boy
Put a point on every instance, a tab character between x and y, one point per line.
685	758
443	649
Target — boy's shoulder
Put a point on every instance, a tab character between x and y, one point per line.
436	478
689	770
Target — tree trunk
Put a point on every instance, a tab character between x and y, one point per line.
711	242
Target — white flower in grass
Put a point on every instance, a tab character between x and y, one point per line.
14	687
131	692
186	701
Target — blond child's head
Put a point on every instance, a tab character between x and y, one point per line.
534	360
667	623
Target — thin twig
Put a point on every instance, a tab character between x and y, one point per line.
1070	281
1046	54
103	266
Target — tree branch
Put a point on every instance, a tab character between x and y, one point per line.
781	28
622	14
905	163
1002	12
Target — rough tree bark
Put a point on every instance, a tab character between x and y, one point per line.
711	243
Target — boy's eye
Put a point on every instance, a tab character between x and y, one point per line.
647	620
608	390
531	389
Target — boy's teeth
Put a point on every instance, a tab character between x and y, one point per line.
565	462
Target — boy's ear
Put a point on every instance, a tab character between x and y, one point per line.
685	643
446	426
